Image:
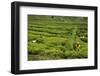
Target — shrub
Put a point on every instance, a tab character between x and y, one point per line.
84	39
40	40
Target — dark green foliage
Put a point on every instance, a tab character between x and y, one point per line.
54	37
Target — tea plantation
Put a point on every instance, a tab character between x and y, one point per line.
53	37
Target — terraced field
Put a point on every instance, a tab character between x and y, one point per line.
57	37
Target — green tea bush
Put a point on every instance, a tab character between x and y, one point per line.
54	53
75	54
40	40
84	39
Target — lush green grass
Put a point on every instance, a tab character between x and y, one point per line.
53	37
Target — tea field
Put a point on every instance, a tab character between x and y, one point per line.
57	37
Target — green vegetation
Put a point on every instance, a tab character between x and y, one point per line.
57	37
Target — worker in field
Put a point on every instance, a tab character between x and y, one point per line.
76	46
